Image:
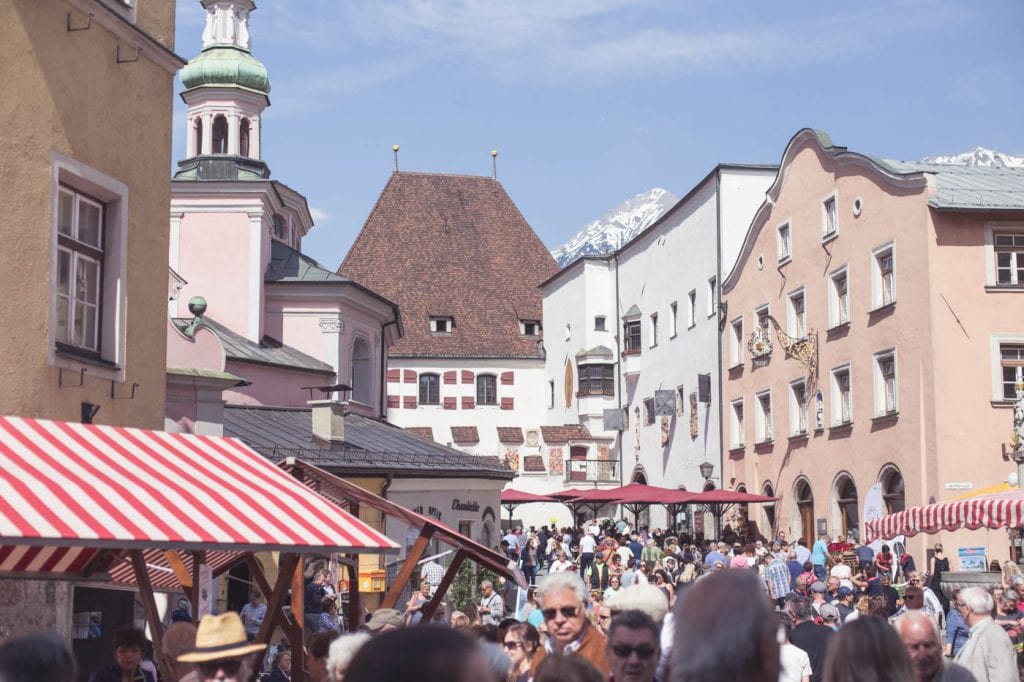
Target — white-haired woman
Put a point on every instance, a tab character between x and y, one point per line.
341	653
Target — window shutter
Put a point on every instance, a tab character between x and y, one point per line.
394	401
468	377
468	403
410	402
506	403
394	376
449	403
507	378
450	377
410	376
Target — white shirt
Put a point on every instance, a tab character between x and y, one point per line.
841	571
796	664
624	553
559	566
588	544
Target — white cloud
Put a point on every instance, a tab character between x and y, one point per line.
318	215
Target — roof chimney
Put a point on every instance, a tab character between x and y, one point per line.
328	420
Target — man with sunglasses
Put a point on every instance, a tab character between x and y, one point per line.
633	647
563	604
221	648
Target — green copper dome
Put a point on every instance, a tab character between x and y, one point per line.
223	65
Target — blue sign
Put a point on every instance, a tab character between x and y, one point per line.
973	559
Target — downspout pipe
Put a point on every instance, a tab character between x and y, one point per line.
718	351
618	335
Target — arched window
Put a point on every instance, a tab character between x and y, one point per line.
804	521
430	389
892	490
243	137
768	511
844	505
742	516
486	389
220	135
197	135
362	372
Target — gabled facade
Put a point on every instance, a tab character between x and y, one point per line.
644	320
873	324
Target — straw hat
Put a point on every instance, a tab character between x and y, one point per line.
220	637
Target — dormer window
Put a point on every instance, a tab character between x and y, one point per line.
529	327
280	230
441	325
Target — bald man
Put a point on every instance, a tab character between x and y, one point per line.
920	634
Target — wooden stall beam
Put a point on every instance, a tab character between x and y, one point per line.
408	568
149	606
442	588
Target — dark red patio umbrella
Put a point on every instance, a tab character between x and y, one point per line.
511	498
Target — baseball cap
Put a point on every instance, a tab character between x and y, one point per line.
828	612
844	591
819	587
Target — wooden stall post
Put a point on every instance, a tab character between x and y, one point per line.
193	593
408	568
355	613
442	588
298	629
149	606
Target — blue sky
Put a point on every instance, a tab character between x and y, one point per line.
591	101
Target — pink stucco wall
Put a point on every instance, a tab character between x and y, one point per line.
271	385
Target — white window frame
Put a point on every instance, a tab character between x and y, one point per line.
796	321
736	342
784	242
767	310
798	413
673	319
838	403
878	299
712	295
654	329
763	431
691	308
991	271
830	219
449	323
112	324
736	423
125	8
601	326
882	393
836	316
996	343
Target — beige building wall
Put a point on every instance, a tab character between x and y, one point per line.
71	110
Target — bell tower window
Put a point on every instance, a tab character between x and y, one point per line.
197	135
243	137
220	135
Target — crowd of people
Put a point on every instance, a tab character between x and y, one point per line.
613	603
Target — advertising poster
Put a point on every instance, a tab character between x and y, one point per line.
973	559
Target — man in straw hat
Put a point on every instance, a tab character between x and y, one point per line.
221	647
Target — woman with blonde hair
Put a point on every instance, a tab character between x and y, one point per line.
1010	571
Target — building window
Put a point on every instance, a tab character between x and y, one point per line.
691	307
885	383
551	395
798	408
736	343
430	389
280	229
362	372
243	137
829	218
839	299
654	329
763	418
441	325
673	319
597	379
842	405
736	424
632	336
220	135
797	315
80	257
648	411
712	295
486	389
883	290
761	317
197	135
785	248
1012	364
1009	254
88	296
599	323
529	327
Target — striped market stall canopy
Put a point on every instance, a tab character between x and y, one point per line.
69	492
1002	510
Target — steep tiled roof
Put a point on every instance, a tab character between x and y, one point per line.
431	235
426	432
510	434
267	352
465	434
371	446
564	434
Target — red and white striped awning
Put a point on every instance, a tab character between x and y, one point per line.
1003	510
68	491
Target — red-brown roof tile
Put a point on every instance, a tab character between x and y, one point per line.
533	464
455	246
465	434
426	432
510	434
564	434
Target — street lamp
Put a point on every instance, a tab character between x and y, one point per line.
706	469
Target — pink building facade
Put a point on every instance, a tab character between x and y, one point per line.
872	335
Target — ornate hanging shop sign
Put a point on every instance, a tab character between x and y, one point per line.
759	346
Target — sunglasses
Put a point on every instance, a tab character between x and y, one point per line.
625	651
603	617
512	645
566	611
229	665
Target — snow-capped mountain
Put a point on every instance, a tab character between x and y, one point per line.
978	157
618	226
